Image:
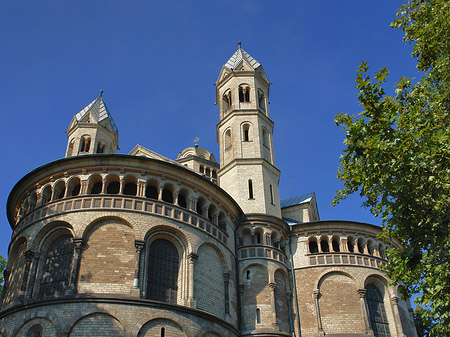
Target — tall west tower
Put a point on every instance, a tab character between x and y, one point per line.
244	133
92	130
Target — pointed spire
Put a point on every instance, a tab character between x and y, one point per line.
240	55
98	110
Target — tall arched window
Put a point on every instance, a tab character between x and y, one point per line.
261	100
227	139
250	189
377	312
163	272
244	93
226	100
246	132
85	144
57	265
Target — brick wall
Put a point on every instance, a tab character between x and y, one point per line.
154	327
209	290
108	261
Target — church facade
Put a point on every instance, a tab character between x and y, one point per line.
109	244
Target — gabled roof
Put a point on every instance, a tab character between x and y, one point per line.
238	56
141	151
298	200
97	108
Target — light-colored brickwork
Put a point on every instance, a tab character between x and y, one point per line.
142	245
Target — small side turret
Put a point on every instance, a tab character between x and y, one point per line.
92	130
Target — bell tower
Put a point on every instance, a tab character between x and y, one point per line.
92	130
244	133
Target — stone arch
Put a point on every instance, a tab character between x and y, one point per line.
244	93
153	328
46	194
379	310
313	246
152	188
16	264
95	184
209	286
259	235
335	244
73	186
183	197
42	324
246	131
281	302
211	334
334	270
59	189
99	324
255	295
108	268
324	245
167	193
54	244
112	182
334	307
351	244
85	144
182	245
130	185
227	137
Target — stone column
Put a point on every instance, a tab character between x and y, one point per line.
289	298
215	219
226	282
141	188
344	246
139	245
34	266
205	211
272	286
84	186
122	185
316	294
362	299
398	321
160	192
175	197
193	204
73	280
192	259
241	297
29	255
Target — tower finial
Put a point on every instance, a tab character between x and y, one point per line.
239	44
101	93
196	141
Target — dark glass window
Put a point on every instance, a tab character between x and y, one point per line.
57	265
113	187
151	192
377	313
163	272
313	248
130	189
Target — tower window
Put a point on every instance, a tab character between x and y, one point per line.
250	189
163	330
244	94
258	315
324	246
227	139
265	138
246	132
226	100
248	275
100	147
85	144
208	172
202	169
313	248
261	100
271	194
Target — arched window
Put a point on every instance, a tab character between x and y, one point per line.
335	244
35	331
227	139
360	246
248	275
57	265
59	190
246	132
244	93
214	174
151	192
100	147
261	100
313	248
202	169
74	187
113	187
208	172
377	312
85	144
167	196
70	148
258	315
250	189
350	244
46	195
265	138
226	100
163	272
324	245
163	331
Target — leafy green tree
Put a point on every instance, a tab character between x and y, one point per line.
397	157
2	268
424	324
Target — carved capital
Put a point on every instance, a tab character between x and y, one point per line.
78	243
139	245
395	300
192	257
362	293
29	255
272	286
316	293
226	277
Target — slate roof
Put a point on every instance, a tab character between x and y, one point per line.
298	200
238	56
99	111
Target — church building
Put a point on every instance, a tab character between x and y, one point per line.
134	245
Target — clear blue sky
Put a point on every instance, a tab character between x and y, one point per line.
157	62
